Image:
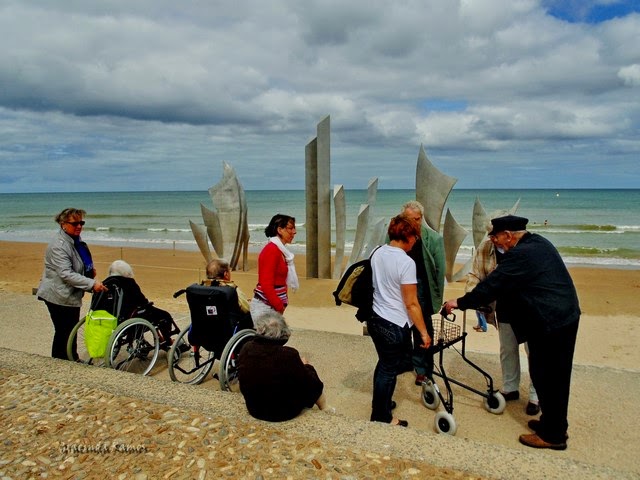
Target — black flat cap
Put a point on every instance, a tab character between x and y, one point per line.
508	222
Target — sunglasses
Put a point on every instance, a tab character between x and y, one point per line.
75	224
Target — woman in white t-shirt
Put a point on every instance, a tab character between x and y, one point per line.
395	310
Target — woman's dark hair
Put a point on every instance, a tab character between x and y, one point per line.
277	221
403	228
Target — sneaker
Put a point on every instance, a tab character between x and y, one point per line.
532	409
534	441
420	379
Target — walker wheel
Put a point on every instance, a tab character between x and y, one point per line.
430	398
495	403
445	423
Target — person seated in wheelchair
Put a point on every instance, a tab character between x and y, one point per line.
219	274
134	303
276	382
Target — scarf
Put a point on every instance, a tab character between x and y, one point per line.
292	276
85	254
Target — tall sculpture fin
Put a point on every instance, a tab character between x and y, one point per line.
361	232
464	270
377	237
514	209
432	189
453	236
212	225
200	234
478	223
340	208
228	198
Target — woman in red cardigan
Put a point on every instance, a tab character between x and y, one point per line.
276	270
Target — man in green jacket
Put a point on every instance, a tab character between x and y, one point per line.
428	253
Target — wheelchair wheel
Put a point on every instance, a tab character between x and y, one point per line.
228	374
445	423
133	347
188	366
76	340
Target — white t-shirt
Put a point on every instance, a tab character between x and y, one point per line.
392	267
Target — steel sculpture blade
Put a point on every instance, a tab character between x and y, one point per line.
432	189
372	193
200	234
453	235
230	203
361	232
478	223
212	225
464	270
340	208
377	237
481	219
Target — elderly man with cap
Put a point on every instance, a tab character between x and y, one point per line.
485	259
535	279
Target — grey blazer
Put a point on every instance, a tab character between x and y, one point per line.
62	281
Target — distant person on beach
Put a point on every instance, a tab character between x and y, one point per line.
219	273
68	273
485	259
276	269
276	382
395	310
428	255
535	280
134	303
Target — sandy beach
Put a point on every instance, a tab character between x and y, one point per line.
605	389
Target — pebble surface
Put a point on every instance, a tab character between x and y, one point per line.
54	429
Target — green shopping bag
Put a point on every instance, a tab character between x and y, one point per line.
98	327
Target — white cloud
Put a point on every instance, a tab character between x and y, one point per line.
165	89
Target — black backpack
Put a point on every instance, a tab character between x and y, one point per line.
356	288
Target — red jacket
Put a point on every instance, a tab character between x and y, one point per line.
272	277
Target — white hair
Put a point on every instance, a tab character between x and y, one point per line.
121	268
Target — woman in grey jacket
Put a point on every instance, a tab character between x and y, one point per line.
68	273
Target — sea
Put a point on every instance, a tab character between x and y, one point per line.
591	227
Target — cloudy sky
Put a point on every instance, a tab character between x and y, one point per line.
156	94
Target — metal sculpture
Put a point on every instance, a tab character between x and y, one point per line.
225	226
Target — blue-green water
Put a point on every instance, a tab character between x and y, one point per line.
600	227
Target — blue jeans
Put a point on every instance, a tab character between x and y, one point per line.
482	320
393	345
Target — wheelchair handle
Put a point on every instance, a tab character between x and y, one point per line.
179	292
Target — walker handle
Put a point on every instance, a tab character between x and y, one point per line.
451	317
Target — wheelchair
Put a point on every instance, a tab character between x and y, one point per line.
134	345
218	331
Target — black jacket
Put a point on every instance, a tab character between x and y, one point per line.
533	279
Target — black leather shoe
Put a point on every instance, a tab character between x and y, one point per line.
509	396
401	423
532	409
393	404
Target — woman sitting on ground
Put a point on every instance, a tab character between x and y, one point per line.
134	303
276	382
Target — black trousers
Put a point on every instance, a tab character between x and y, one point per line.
64	319
550	365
